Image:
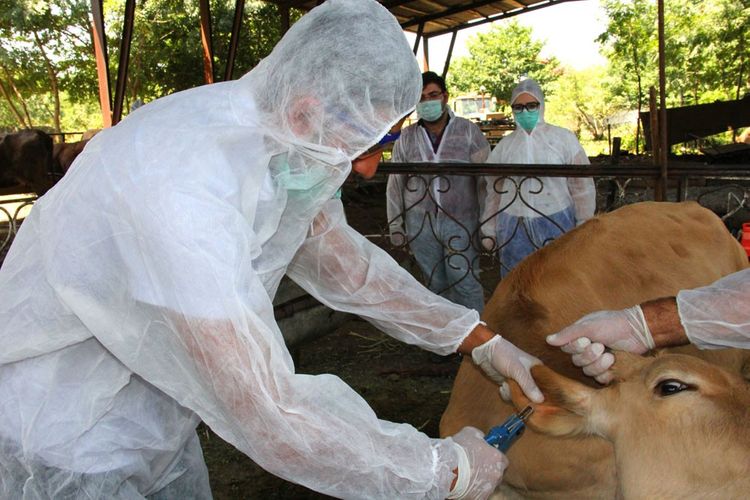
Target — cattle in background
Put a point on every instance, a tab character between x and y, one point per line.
637	253
26	159
63	154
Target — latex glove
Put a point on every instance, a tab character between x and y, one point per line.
624	330
480	466
592	357
501	360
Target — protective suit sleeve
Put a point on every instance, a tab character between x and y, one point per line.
235	372
480	149
395	200
345	271
718	316
582	189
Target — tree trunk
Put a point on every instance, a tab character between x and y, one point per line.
53	82
640	100
25	119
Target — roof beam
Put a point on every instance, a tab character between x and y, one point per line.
458	9
503	15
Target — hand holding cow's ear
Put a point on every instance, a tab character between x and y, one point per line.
586	339
501	360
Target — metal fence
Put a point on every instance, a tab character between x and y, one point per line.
470	255
722	188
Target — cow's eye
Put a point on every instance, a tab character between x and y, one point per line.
670	387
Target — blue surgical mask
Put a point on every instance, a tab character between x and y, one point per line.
527	119
430	111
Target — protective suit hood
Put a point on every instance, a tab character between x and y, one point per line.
531	87
320	91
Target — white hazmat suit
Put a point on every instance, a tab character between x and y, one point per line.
717	316
523	213
136	298
440	212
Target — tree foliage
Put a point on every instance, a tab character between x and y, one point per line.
47	61
498	59
40	43
706	49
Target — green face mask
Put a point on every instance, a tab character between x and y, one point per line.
430	111
527	119
296	182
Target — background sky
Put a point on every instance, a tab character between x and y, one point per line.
569	30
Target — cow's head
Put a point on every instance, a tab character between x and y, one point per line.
679	424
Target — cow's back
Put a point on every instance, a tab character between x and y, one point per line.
637	253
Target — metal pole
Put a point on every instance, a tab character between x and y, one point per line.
284	12
239	8
208	51
426	54
102	66
450	54
664	145
419	37
122	65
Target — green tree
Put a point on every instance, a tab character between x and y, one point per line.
48	72
38	41
497	61
166	53
579	101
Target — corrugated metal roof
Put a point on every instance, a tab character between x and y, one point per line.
443	16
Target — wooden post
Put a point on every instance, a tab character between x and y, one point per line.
208	51
664	144
653	118
102	66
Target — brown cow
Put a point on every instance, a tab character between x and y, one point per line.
63	155
637	253
678	424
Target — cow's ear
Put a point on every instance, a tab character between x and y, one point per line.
566	405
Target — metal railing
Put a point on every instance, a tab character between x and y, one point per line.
472	256
725	189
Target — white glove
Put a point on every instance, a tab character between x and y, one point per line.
480	466
501	360
586	339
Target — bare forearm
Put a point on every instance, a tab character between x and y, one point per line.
663	321
478	336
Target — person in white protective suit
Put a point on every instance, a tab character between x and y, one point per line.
438	214
136	299
522	214
716	316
